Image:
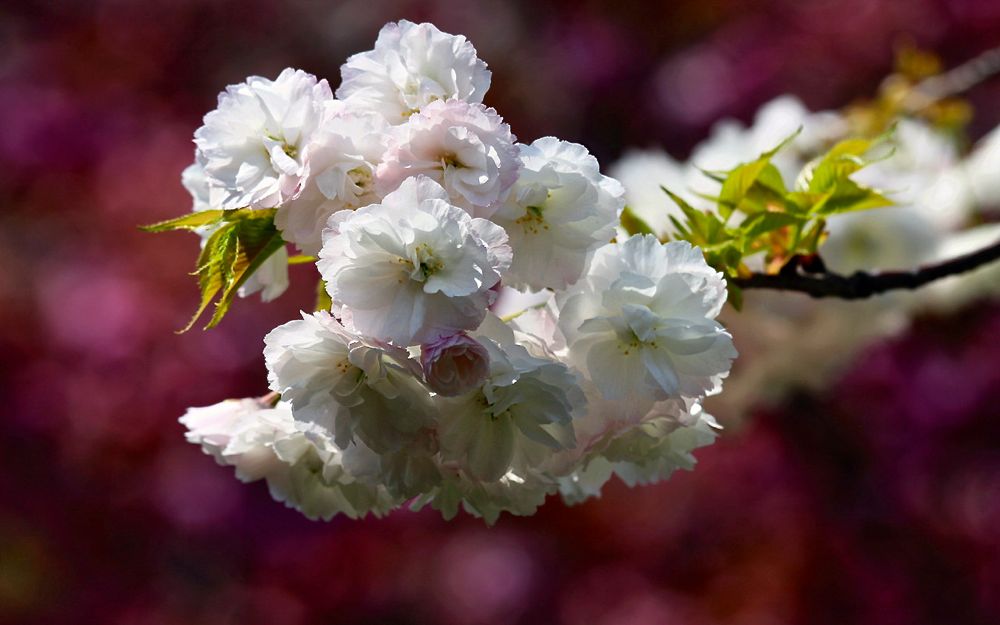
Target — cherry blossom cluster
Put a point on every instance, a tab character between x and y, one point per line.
489	341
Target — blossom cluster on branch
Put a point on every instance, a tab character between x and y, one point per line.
944	190
483	340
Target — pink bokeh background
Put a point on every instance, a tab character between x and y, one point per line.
874	501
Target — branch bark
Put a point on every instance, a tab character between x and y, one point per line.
861	284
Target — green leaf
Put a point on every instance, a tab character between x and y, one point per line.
243	267
323	301
737	184
191	221
842	160
784	142
301	259
717	176
803	202
704	227
767	194
208	270
633	224
848	196
735	296
243	240
265	215
762	223
813	237
721	246
683	233
759	174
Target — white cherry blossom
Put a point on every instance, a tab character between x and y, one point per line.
560	209
215	427
251	146
512	493
302	467
466	148
514	421
411	66
981	170
644	452
350	386
338	173
414	267
642	321
661	444
316	482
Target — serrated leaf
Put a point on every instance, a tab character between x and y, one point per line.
840	162
228	255
701	225
737	184
767	194
743	178
241	243
721	246
191	221
633	224
208	270
770	180
244	266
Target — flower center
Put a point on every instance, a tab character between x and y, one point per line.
361	177
629	342
290	149
423	264
533	220
449	160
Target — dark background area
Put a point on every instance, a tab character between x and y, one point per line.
876	500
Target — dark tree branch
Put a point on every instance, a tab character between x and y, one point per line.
860	285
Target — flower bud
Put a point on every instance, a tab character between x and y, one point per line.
454	364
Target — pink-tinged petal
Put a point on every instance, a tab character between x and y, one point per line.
454	364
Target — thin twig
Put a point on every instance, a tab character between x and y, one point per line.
953	82
861	285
